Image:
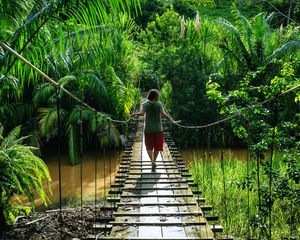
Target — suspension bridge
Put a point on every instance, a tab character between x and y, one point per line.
164	204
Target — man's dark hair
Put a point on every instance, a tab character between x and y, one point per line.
153	94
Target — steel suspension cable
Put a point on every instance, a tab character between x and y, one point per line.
59	159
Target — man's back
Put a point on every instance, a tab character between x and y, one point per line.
153	119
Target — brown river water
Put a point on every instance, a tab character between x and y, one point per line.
70	175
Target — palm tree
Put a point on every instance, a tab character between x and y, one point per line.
21	172
250	44
89	53
93	91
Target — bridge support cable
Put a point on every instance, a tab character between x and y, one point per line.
209	160
104	184
96	171
224	179
258	192
248	186
204	159
110	167
59	159
198	178
272	153
121	150
81	170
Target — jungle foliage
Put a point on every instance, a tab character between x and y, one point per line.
85	46
246	64
216	54
21	172
210	59
237	201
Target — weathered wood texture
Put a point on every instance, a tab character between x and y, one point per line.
156	205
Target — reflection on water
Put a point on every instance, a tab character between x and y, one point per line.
189	155
70	176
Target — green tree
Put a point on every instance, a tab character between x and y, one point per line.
91	41
184	62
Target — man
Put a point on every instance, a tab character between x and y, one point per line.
154	138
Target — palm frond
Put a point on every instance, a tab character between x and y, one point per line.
11	138
73	136
290	47
239	45
9	88
68	80
1	130
48	121
43	93
93	83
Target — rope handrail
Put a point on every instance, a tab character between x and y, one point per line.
59	86
128	119
236	114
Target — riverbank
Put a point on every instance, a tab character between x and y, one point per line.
46	224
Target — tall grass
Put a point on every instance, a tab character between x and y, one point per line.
235	200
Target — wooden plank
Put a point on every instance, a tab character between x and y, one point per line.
211	218
124	214
156	195
216	228
166	201
113	200
139	182
157	178
200	200
153	189
158	204
206	207
196	192
155	173
158	167
160	224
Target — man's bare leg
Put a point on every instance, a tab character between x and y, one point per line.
150	154
155	154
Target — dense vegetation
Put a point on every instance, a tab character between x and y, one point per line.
85	46
92	56
16	161
231	186
210	59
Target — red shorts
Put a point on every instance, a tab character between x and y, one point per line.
154	141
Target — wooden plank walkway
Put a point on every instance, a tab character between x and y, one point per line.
155	205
